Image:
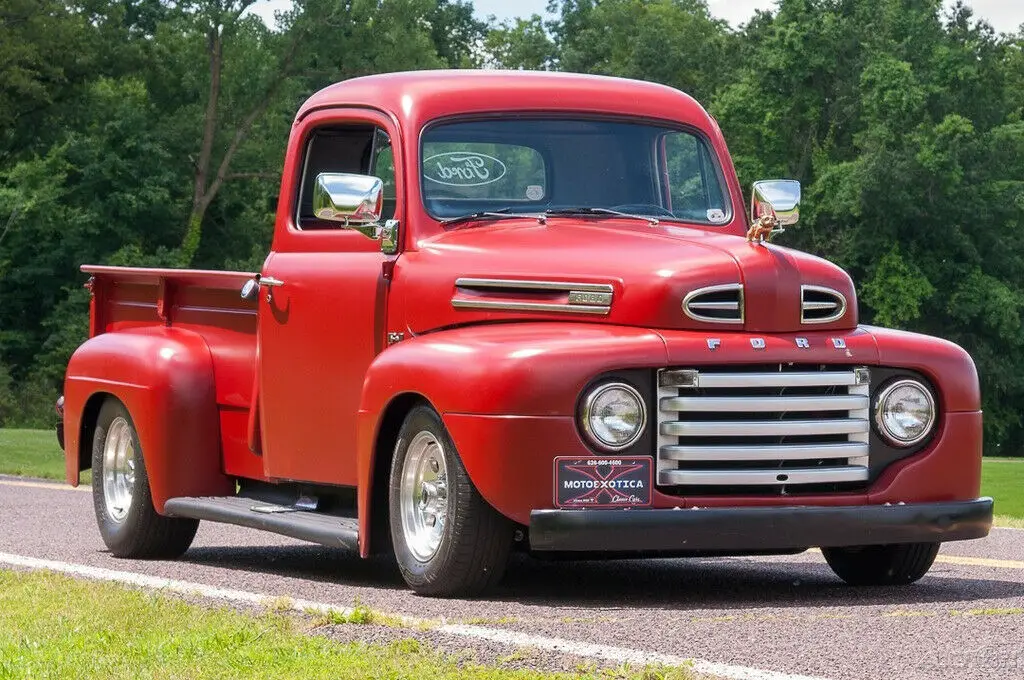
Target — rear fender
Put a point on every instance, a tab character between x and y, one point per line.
164	377
523	369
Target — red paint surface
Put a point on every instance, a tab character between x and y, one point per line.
506	383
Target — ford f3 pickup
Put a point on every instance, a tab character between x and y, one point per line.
521	311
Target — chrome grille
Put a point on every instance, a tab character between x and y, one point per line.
715	304
778	428
821	305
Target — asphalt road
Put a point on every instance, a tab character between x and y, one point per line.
964	620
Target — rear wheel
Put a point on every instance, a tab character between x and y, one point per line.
448	540
882	565
128	523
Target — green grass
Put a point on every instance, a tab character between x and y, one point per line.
1003	479
53	626
32	453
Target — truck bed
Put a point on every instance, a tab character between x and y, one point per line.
209	304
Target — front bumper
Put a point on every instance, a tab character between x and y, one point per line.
756	529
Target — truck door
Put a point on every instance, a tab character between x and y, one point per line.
322	316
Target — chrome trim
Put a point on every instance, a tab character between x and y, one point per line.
352	199
823	379
423	496
118	469
583	298
817	306
750	438
588	402
510	306
763	428
752	452
696	316
520	284
884	394
773	477
765	404
268	281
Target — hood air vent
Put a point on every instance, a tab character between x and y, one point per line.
715	304
821	305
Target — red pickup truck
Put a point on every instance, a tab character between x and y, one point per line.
521	311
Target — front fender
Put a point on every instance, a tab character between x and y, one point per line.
947	365
524	369
520	369
164	377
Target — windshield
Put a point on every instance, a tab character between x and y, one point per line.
536	165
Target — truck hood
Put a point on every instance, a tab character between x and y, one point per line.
620	272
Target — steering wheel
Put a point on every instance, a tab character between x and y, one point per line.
644	209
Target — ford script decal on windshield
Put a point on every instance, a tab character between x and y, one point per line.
463	169
603	482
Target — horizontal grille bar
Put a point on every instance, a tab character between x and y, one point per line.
768	428
852	473
765	404
823	379
773	452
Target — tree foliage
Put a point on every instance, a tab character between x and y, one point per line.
152	132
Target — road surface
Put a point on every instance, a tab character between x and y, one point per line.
776	616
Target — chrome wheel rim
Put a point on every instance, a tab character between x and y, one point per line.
118	469
424	496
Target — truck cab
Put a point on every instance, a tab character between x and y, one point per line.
534	311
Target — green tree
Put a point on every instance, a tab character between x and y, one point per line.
675	42
521	44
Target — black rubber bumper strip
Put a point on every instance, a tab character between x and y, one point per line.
740	529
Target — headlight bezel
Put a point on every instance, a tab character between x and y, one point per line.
884	392
590	396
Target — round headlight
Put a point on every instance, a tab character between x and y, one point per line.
905	412
613	416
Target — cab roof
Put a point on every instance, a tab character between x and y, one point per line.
416	97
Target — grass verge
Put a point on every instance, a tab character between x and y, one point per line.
1003	479
33	453
55	626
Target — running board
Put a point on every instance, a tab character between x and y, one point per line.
316	527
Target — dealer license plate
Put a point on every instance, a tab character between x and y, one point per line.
603	482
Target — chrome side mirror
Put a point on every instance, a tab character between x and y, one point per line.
779	198
355	200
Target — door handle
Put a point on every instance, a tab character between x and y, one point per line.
250	287
268	281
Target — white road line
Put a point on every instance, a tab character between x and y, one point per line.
583	649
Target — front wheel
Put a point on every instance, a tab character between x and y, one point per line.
128	522
448	540
882	565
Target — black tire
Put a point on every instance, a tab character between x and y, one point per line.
141	533
476	539
882	565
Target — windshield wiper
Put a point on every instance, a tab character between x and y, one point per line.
590	210
500	213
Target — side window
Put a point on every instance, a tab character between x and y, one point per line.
359	149
693	185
